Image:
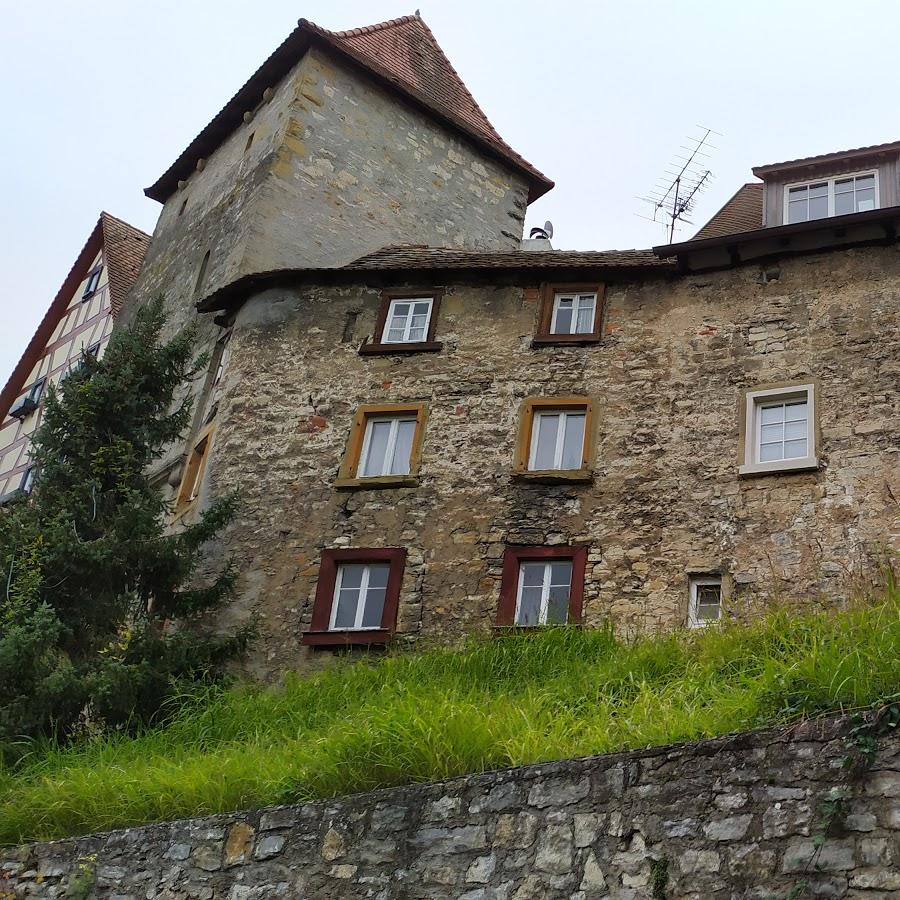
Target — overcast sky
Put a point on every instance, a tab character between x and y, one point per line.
100	96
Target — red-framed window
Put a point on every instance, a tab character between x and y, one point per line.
356	597
542	586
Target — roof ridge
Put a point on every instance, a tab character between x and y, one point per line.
104	215
366	29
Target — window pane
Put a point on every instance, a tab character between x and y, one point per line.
818	190
561	573
795	430
818	207
797	211
374	463
564	318
865	199
795	412
351	575
545	441
573	443
769	452
395	334
558	605
795	449
529	606
532	574
585	320
771	434
797	193
770	414
378	575
421	308
406	430
844	204
709	602
374	607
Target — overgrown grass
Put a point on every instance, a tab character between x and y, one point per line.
419	717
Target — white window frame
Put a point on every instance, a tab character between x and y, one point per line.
830	180
408	326
694	620
363	592
391	445
574	296
753	403
560	437
545	588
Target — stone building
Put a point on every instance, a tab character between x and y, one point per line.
437	428
80	318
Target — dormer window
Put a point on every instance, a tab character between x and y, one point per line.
406	323
837	196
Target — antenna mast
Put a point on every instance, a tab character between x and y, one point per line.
673	196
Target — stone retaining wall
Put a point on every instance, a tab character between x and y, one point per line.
737	817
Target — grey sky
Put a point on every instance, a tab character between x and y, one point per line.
100	96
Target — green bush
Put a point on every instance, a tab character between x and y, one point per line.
496	702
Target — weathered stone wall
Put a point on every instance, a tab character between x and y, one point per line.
732	818
330	168
337	167
666	498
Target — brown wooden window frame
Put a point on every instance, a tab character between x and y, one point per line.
194	470
543	336
320	634
348	477
514	556
530	406
378	346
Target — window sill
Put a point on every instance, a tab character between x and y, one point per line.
376	484
567	476
374	636
374	349
807	464
550	340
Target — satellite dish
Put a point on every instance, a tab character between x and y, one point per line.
542	234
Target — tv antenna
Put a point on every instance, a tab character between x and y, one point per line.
686	178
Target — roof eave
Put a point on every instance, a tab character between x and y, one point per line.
782	240
233	294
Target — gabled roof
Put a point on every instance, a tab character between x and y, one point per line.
892	147
124	247
399	262
743	212
402	54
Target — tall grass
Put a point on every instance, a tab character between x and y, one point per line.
418	717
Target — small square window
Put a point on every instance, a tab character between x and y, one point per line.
90	286
406	323
384	446
542	586
357	597
555	438
779	430
705	605
569	314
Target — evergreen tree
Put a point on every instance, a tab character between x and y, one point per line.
96	594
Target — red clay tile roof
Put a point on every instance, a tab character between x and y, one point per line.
892	147
125	248
121	256
743	212
401	53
